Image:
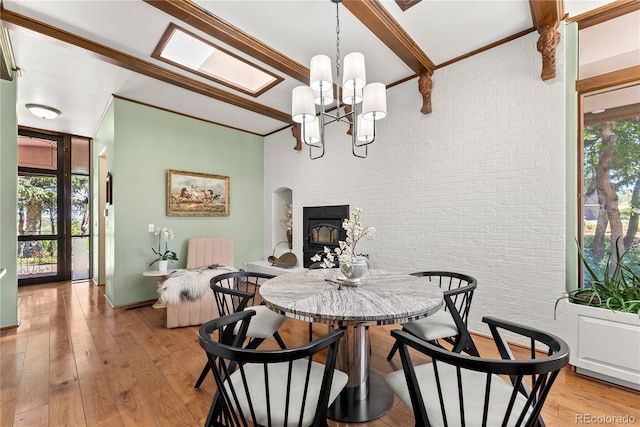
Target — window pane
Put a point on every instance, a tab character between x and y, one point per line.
79	205
80	155
37	205
37	153
611	177
79	258
37	258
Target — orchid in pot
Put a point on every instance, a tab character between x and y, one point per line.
352	265
163	258
287	222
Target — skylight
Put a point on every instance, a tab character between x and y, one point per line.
190	52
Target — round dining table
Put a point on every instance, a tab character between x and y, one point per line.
383	298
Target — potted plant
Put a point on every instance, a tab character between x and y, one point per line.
352	265
166	256
603	321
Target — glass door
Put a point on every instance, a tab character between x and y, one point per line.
40	211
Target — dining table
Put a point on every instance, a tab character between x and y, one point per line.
382	298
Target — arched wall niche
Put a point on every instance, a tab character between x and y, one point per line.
279	198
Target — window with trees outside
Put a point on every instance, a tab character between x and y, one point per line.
611	178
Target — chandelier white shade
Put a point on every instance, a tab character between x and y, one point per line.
374	102
358	104
302	106
355	76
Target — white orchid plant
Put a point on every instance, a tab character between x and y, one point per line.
165	234
346	250
287	217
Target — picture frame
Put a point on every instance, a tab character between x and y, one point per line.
197	194
109	188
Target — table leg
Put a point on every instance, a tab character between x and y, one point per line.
366	395
159	303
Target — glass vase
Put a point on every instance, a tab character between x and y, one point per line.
354	273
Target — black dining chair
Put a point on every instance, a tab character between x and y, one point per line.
450	323
287	387
459	390
236	291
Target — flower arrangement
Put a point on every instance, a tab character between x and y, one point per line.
287	217
166	234
346	250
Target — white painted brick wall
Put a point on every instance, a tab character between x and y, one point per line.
477	186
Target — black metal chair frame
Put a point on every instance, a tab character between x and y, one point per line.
234	298
227	355
457	299
541	372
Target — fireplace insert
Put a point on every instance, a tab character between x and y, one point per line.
322	227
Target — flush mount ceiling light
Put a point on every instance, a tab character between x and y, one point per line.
43	111
354	91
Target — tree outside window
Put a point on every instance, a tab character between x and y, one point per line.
611	189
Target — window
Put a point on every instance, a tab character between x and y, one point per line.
611	175
609	90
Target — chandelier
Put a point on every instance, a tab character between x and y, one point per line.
357	103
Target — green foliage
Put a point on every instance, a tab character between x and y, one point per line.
617	288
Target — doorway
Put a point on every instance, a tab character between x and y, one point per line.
53	207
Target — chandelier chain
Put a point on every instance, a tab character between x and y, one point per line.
338	50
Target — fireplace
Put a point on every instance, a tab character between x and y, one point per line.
322	226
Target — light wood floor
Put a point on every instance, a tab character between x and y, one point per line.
75	361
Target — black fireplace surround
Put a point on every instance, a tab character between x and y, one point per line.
322	226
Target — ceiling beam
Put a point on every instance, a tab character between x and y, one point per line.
380	22
190	13
132	63
605	13
547	15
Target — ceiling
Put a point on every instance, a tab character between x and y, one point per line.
76	55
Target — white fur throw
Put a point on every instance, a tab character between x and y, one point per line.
189	285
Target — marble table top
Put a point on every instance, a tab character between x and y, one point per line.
383	298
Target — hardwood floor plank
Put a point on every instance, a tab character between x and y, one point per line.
34	417
171	411
97	395
11	367
34	391
65	399
113	368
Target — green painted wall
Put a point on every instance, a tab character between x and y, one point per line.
8	189
571	155
146	143
102	143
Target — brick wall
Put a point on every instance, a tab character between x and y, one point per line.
477	186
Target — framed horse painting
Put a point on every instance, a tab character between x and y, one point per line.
197	194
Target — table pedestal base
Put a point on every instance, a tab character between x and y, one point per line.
366	395
377	403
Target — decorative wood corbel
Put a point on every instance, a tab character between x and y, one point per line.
425	86
547	15
547	43
295	131
347	110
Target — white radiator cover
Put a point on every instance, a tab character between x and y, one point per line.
605	344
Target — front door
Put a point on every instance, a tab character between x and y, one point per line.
52	208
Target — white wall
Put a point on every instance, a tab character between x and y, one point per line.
477	186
